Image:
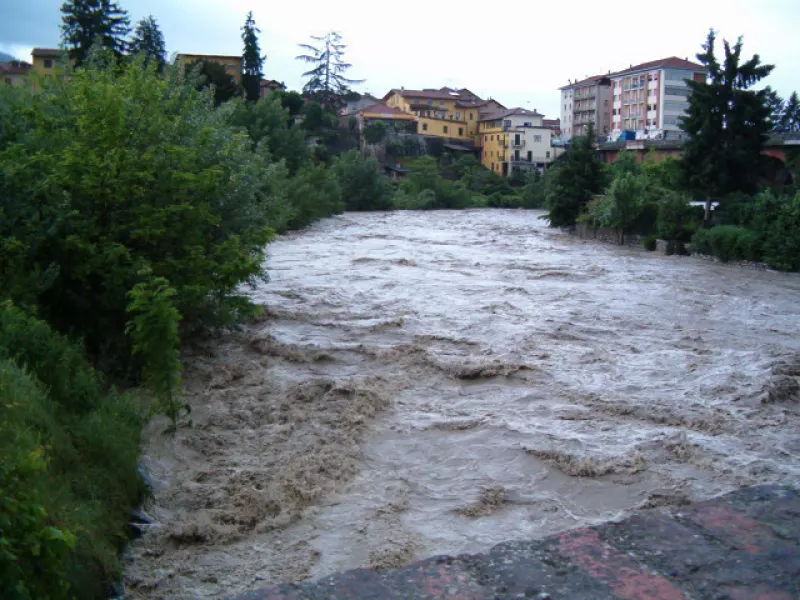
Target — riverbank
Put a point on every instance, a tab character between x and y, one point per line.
440	382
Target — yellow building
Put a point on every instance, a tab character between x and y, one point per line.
234	65
45	60
445	112
494	144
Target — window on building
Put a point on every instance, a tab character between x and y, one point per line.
486	138
424	127
492	166
445	128
430	101
460	131
471	115
537	138
48	63
530	155
458	116
492	138
441	102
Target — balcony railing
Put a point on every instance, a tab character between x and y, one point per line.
520	144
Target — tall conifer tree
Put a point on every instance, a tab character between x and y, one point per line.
253	62
85	22
149	42
727	124
326	80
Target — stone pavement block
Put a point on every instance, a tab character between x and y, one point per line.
663	544
775	506
617	570
531	570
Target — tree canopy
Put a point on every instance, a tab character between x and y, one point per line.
86	22
253	61
727	123
148	41
579	174
326	79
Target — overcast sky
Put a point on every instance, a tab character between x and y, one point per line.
518	51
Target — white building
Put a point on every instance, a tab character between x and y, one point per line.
520	140
650	98
585	101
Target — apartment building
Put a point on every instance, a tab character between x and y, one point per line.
234	65
651	98
515	139
583	102
443	112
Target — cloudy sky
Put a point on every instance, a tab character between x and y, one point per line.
518	51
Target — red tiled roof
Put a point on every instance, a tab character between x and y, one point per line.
523	112
444	93
672	62
45	52
383	109
15	67
587	81
551	123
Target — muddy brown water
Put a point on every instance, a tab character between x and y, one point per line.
430	383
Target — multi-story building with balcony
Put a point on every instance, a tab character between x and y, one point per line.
652	97
445	112
515	139
583	102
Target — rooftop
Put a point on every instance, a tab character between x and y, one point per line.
45	52
444	93
384	110
14	67
671	62
501	114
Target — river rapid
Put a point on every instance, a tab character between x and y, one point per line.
438	382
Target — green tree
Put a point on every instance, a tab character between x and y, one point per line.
533	193
727	124
776	106
269	126
208	74
149	42
86	22
142	172
425	181
326	80
374	133
291	101
363	185
790	119
578	175
252	59
626	192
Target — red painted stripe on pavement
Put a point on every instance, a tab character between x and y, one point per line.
450	584
584	548
734	527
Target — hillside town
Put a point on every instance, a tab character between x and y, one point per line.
642	102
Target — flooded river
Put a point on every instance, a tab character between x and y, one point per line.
429	383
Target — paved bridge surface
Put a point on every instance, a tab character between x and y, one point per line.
741	546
